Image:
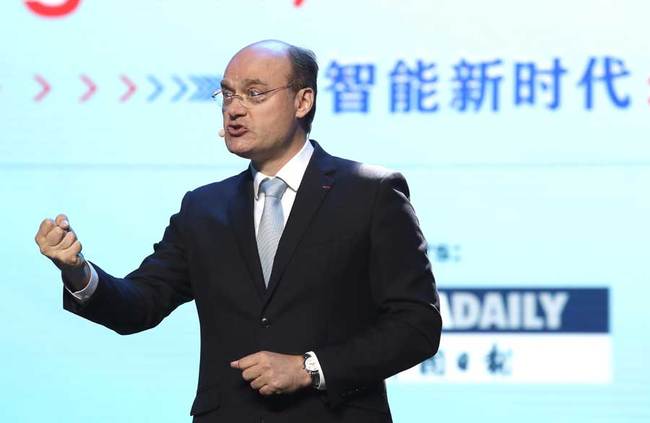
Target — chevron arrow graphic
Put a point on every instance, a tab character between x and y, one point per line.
181	91
214	83
91	89
201	93
205	86
45	88
158	88
131	87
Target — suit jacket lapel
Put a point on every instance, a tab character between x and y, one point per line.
241	219
316	183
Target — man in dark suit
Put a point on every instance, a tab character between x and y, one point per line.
309	272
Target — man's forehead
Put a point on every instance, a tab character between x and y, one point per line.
258	64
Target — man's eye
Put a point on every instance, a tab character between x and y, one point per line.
254	93
227	94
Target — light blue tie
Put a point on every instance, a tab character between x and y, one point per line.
271	224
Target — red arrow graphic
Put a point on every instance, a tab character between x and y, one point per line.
130	90
91	89
44	91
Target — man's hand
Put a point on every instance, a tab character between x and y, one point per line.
272	373
58	242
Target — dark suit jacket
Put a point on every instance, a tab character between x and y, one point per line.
350	281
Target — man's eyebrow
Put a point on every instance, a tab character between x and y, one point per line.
245	82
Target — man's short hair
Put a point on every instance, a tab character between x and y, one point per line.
304	74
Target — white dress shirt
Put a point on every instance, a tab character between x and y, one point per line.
291	173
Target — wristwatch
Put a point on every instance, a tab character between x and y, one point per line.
311	367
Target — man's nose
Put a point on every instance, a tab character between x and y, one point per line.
235	109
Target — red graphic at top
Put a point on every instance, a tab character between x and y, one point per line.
65	7
68	6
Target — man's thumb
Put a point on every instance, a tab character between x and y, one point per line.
62	221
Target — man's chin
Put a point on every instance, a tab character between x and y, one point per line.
239	147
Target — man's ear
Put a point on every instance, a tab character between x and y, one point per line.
304	102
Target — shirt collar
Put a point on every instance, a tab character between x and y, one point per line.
291	173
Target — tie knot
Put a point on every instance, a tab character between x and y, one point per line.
273	187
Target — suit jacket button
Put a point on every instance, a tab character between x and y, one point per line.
265	322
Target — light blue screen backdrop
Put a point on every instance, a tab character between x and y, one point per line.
522	128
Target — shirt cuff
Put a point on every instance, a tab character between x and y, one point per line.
321	382
84	294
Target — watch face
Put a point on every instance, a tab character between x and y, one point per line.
310	364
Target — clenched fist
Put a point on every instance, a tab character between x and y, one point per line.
59	243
